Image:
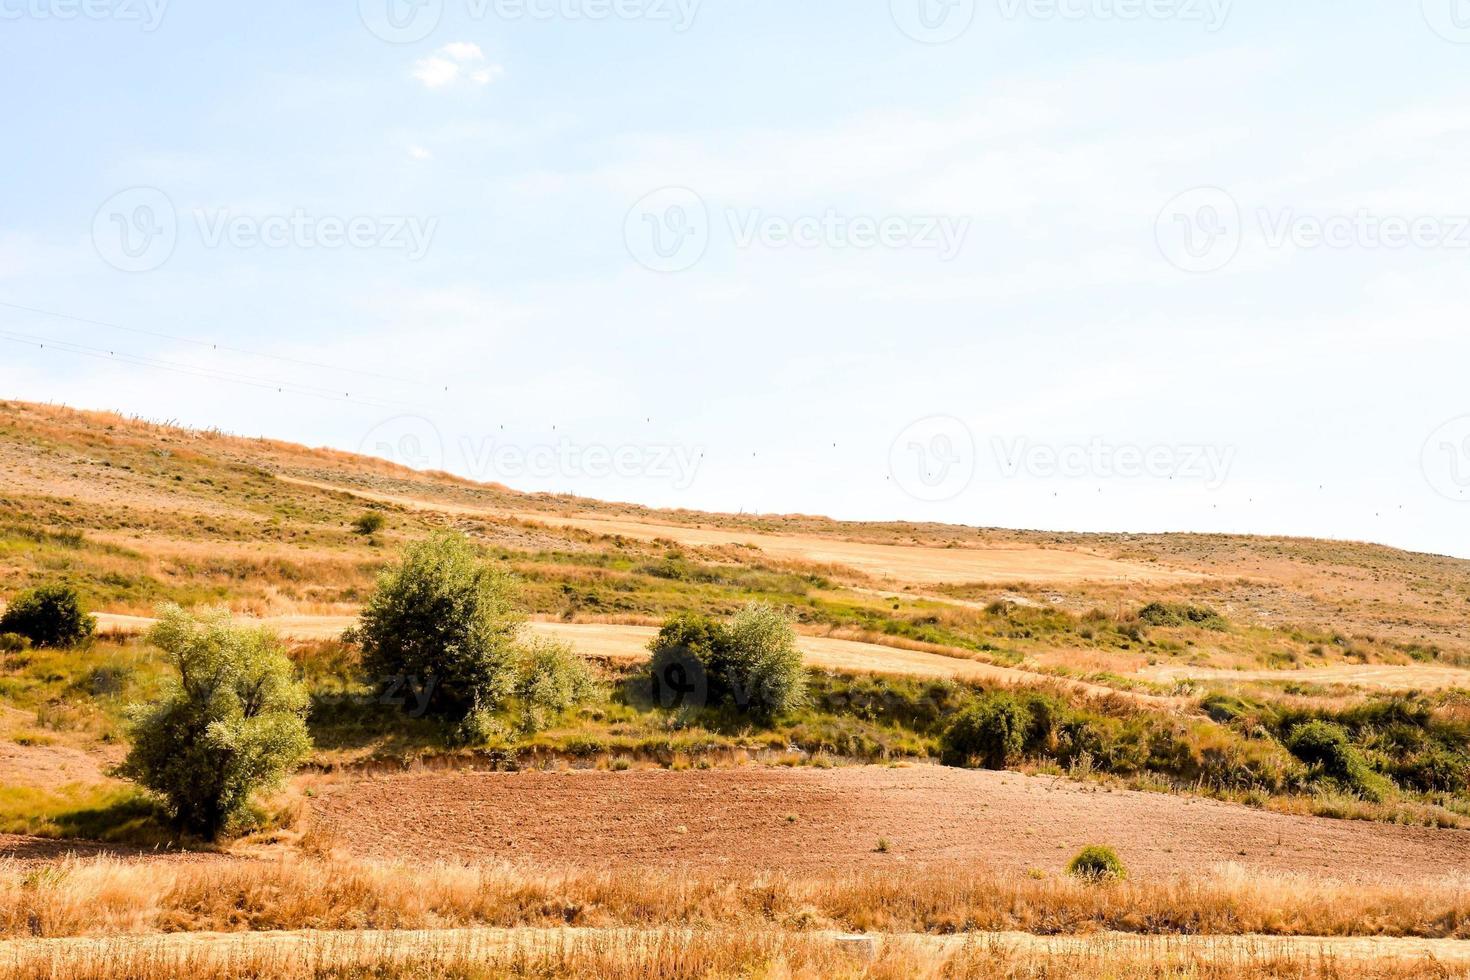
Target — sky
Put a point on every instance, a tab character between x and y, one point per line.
1124	265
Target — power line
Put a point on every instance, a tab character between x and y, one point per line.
221	347
138	360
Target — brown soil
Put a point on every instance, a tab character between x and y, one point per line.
740	820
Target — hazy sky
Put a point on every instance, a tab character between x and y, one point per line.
1070	264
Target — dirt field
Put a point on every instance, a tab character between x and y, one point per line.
918	565
738	820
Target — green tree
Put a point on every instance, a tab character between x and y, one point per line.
229	723
444	620
760	670
750	664
48	616
552	679
687	645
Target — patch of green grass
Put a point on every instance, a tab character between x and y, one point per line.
84	689
94	811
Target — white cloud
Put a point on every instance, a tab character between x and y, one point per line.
463	51
453	63
435	72
419	153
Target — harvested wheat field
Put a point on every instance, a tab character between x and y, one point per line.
1396	677
881	562
583	951
831	821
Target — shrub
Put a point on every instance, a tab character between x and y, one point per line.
1435	770
761	670
752	664
445	620
993	730
369	523
1326	747
553	679
678	670
1181	614
1097	863
229	724
49	616
1320	743
14	643
1226	708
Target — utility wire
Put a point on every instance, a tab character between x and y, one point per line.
222	347
253	381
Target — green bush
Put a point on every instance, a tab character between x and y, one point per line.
446	621
369	522
1181	614
49	616
750	664
230	722
1097	863
552	680
686	646
1326	747
761	670
1435	770
993	731
1226	708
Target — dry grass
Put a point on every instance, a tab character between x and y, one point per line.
102	896
674	955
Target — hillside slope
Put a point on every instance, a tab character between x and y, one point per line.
135	512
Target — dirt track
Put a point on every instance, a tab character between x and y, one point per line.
738	820
619	642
